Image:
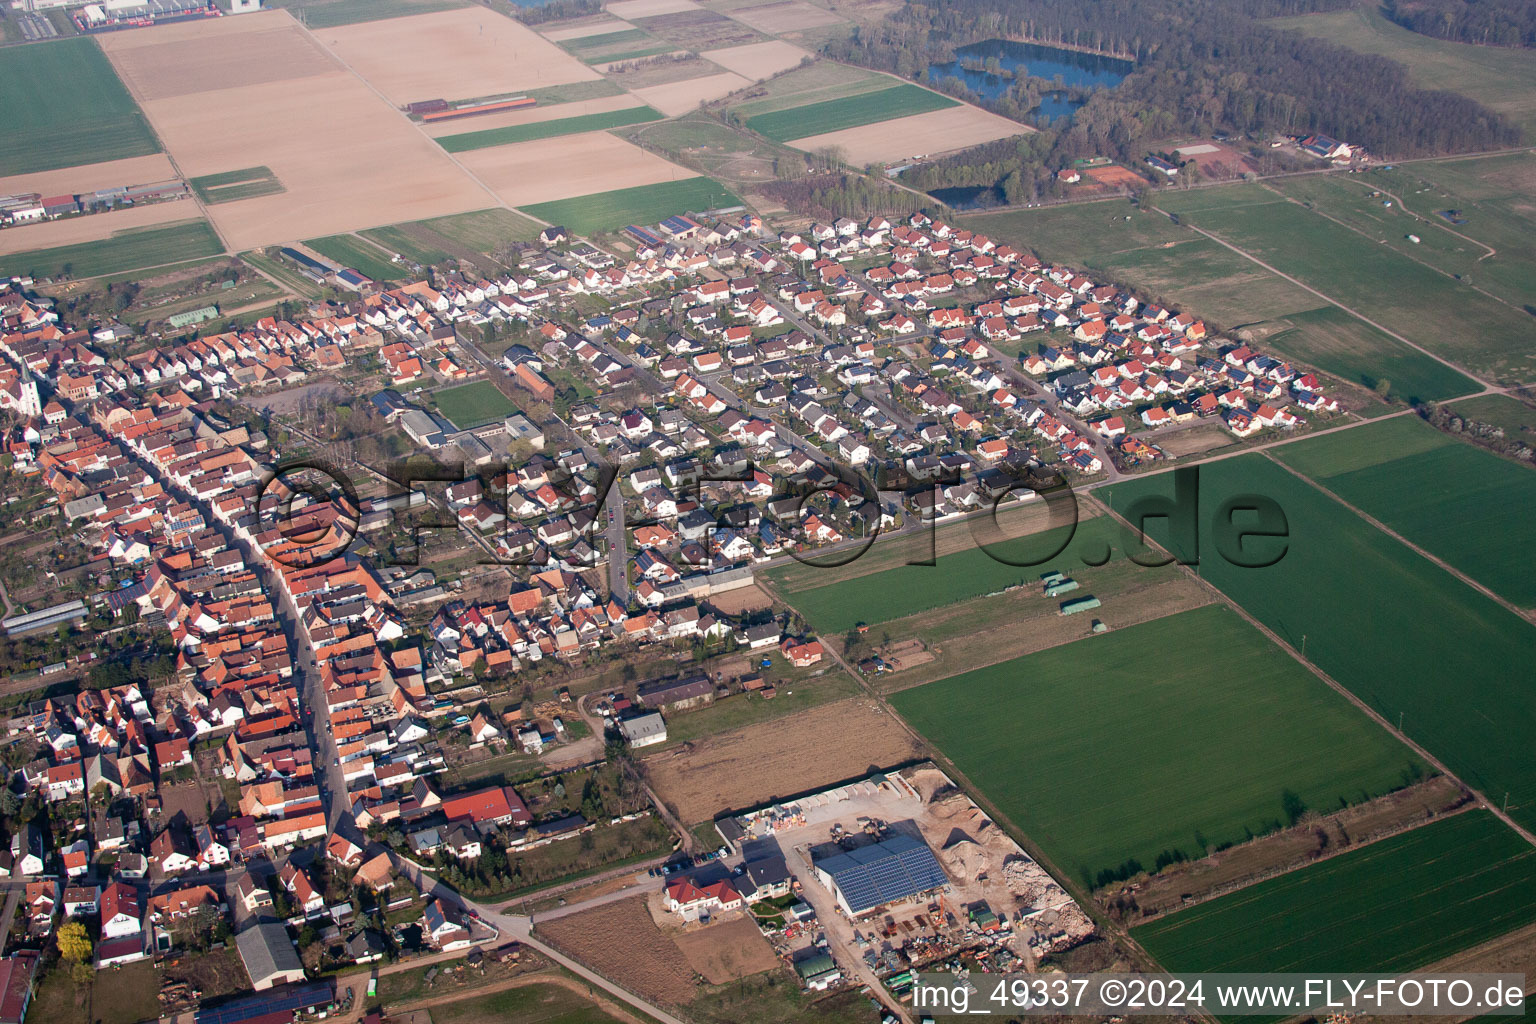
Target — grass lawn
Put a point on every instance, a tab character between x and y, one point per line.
1434	311
282	272
133	249
330	13
540	1003
848	112
774	997
795	692
352	251
1176	267
64	105
398	239
1392	906
1403	635
547	129
1457	501
643	204
1501	78
1173	735
880	586
473	405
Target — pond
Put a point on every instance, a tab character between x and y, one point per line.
1032	60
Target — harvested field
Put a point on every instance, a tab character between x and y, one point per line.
700	30
786	16
727	951
650	8
758	60
566	167
134	170
621	942
938	131
452	55
742	599
92	227
763	763
591	28
347	163
531	115
681	97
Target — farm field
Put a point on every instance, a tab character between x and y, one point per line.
229	186
473	405
1209	725
617	100
1384	622
850	112
330	13
547	129
1515	418
131	170
552	1000
1434	311
1450	884
785	16
484	231
757	60
1501	78
1458	502
676	98
527	174
351	251
64	106
834	601
453	55
937	131
821	82
699	29
133	249
1173	265
95	227
762	763
226	94
646	204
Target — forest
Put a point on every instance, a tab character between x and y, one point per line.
1484	22
1203	66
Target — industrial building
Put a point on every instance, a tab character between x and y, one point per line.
871	877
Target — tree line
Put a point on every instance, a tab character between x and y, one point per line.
1485	22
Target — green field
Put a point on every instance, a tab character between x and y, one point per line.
330	13
849	112
1174	266
133	249
1456	501
1406	637
821	81
1501	78
228	186
1515	418
351	251
834	601
534	1004
627	44
1398	904
643	204
64	105
547	129
1436	312
473	405
1176	734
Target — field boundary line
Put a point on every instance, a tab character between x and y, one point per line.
1343	690
1410	545
1331	301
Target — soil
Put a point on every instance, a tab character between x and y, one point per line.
758	60
94	226
727	951
937	131
621	942
681	97
566	167
762	763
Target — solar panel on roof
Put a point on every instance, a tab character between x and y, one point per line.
872	876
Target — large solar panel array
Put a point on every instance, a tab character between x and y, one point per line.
885	872
279	1001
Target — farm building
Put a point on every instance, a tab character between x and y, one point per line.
269	956
676	694
874	876
1079	604
644	730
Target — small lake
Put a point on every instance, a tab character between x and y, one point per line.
1032	60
